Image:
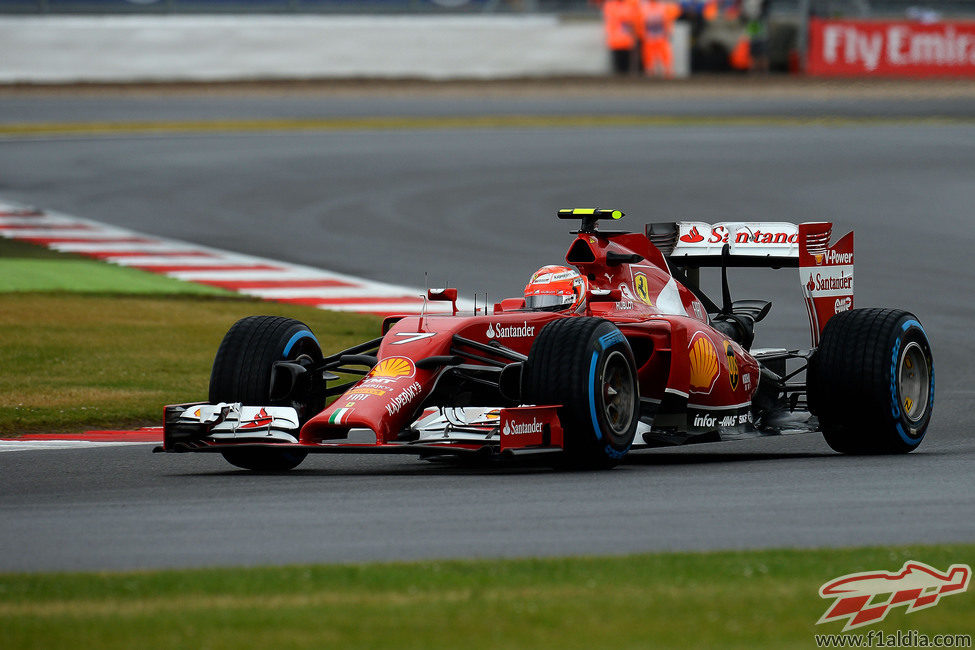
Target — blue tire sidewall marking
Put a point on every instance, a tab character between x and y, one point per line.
613	453
895	399
605	341
913	323
592	395
303	334
612	338
608	449
895	406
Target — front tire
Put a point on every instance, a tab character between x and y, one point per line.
242	373
587	366
871	382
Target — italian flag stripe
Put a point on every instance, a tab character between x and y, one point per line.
336	417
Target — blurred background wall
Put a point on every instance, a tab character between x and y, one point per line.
56	41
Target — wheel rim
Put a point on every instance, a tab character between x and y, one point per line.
301	406
913	381
618	394
305	353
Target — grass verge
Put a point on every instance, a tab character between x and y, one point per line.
73	362
89	345
92	129
26	267
724	599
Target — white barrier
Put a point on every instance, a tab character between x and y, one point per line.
59	49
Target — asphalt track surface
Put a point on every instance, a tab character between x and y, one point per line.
475	204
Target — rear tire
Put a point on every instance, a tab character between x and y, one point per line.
871	382
587	366
242	373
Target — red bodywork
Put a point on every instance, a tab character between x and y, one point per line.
682	361
825	274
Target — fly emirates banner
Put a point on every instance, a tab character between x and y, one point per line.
891	48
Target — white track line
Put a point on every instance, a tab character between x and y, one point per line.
216	263
125	247
42	223
258	275
43	445
200	260
68	233
388	307
324	293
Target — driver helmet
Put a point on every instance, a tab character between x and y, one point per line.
556	288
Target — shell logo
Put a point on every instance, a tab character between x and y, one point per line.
393	367
703	362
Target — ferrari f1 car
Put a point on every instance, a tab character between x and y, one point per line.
640	357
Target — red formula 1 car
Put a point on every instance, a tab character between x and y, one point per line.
638	357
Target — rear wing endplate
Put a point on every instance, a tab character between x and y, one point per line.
825	271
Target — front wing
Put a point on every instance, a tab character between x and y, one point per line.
200	427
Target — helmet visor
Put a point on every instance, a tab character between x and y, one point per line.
547	301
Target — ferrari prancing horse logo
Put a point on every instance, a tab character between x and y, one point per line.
642	288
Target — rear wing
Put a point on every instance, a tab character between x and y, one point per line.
825	272
695	244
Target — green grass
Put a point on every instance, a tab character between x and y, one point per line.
728	599
17	249
394	123
74	362
88	345
26	267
